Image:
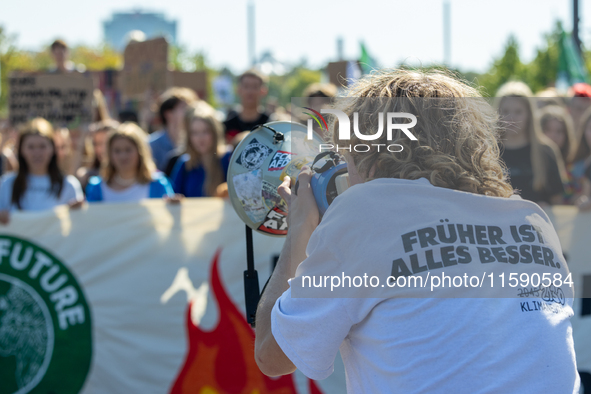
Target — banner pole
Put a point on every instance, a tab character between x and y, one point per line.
251	281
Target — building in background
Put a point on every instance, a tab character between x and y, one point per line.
123	25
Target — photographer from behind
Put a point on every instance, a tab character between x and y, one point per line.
450	178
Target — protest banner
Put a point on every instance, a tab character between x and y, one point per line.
574	228
158	289
145	68
59	98
148	298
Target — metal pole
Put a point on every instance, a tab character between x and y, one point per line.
252	293
576	38
251	35
447	33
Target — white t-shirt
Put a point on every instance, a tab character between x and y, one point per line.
38	195
132	193
431	344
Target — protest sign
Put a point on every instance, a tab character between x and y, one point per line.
193	80
145	68
59	98
337	73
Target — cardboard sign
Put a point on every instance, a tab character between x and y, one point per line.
59	98
145	68
223	89
195	80
337	73
107	81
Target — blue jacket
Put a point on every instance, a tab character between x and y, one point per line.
190	183
159	187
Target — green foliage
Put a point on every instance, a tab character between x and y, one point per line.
292	84
7	52
98	58
181	59
539	74
507	68
543	69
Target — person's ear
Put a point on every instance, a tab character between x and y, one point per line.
264	91
354	177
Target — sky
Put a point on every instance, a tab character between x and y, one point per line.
392	30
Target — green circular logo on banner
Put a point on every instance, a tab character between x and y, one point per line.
45	327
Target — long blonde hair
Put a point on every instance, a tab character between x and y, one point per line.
66	163
583	150
456	132
137	136
214	174
559	114
537	140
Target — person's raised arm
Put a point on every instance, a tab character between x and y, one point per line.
303	218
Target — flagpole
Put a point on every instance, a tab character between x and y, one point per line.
251	33
447	33
576	38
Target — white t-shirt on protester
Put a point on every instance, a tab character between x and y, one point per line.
428	345
38	195
135	192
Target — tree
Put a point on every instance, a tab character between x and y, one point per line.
508	67
98	58
292	84
181	59
7	51
542	71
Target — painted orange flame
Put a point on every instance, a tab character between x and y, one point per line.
222	360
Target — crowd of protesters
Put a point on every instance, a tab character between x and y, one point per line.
545	143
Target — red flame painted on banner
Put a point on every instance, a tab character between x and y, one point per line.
222	360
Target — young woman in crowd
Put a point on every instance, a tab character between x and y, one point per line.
201	171
64	150
535	167
557	125
39	184
171	158
8	161
98	135
128	174
581	166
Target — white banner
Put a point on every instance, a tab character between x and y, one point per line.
133	267
574	231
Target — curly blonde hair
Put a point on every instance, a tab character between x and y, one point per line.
456	131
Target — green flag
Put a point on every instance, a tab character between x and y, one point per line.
571	68
366	61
